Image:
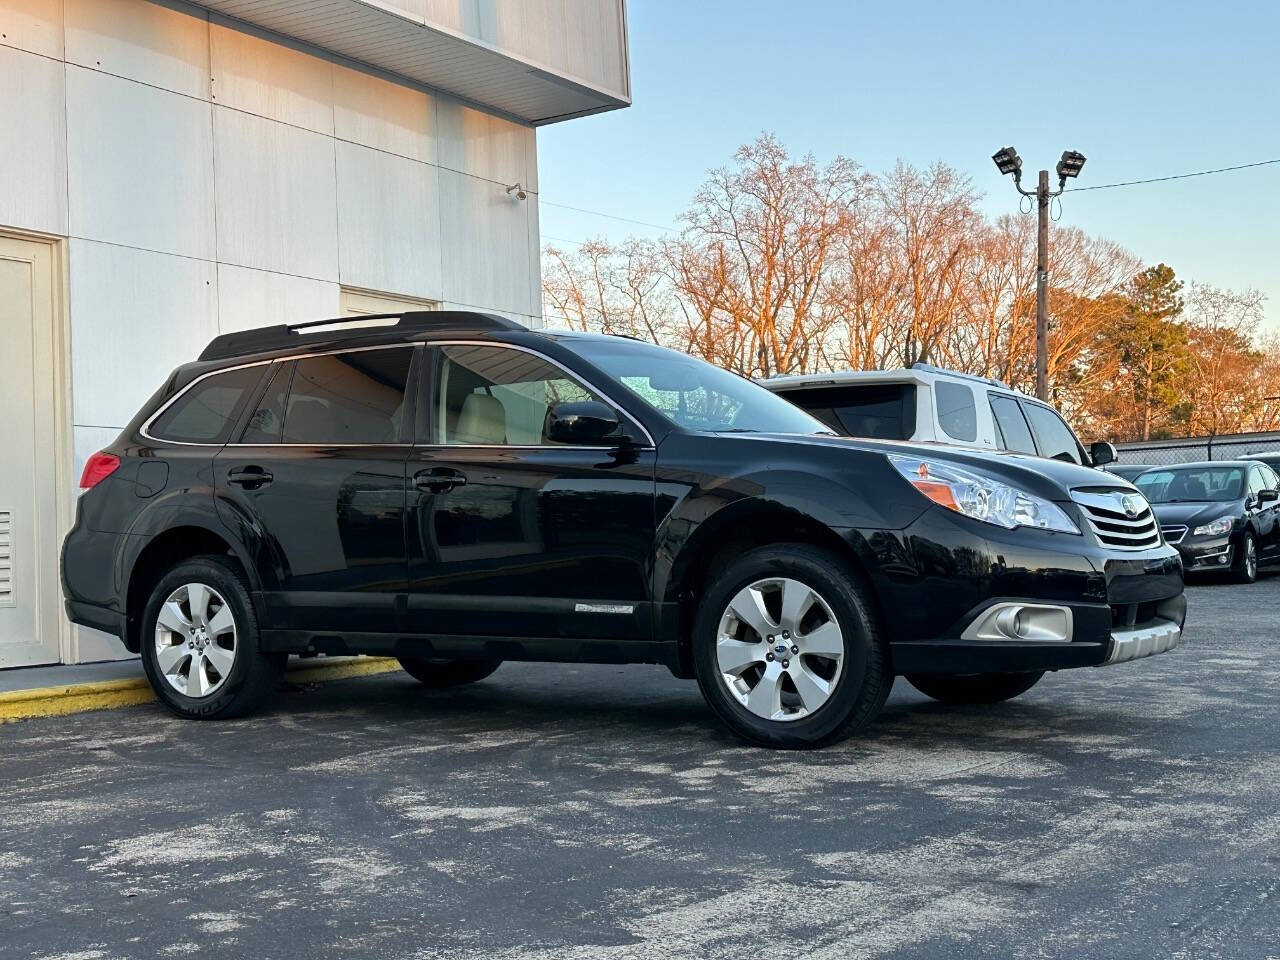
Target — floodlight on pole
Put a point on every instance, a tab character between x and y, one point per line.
1069	166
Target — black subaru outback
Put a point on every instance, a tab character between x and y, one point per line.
455	490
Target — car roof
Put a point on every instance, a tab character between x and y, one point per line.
919	373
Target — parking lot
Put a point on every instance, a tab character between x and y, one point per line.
600	812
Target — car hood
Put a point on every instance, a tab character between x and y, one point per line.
1051	479
1194	513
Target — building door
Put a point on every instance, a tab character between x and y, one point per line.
29	595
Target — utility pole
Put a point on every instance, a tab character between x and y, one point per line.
1070	165
1042	287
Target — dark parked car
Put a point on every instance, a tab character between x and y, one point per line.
456	490
1130	471
1221	515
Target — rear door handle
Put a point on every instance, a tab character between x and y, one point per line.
251	478
438	480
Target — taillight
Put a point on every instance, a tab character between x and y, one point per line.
97	468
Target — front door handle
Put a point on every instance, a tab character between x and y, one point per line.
251	477
438	480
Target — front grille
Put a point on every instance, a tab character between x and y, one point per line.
1127	616
1112	525
1174	532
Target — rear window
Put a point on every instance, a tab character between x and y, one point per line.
348	398
207	411
882	411
957	412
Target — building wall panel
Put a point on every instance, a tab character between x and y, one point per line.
483	145
382	114
140	165
388	222
135	315
164	46
276	196
255	298
33	166
486	254
32	25
260	74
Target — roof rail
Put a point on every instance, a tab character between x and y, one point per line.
930	368
283	336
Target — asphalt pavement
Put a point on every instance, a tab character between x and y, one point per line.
600	812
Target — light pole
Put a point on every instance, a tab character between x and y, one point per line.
1070	165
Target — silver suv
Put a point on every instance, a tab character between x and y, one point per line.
927	403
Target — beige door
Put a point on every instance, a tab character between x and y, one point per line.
29	592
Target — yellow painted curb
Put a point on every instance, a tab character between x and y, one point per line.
111	694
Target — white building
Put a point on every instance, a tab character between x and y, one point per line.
170	171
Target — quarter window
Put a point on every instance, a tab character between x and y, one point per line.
496	396
1054	437
207	411
957	413
348	398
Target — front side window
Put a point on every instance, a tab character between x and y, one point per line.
692	393
1011	426
1055	438
207	411
1257	483
957	412
348	398
497	396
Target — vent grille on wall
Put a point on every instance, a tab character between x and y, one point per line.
6	559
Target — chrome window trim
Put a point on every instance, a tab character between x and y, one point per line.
145	430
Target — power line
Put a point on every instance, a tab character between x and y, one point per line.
1176	176
609	216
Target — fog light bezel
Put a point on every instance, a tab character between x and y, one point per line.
1022	622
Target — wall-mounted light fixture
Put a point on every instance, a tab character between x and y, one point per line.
517	191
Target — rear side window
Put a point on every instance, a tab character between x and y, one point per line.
1053	436
957	412
265	424
1011	426
882	411
207	411
348	398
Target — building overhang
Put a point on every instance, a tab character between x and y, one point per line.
389	38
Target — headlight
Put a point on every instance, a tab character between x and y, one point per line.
1214	528
981	497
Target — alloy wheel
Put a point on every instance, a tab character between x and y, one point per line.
1250	558
196	640
779	649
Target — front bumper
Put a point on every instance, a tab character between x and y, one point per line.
1117	605
1207	554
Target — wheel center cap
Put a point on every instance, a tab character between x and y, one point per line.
780	649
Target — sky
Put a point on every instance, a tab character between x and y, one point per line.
1142	89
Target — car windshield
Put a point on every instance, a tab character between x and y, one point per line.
1192	484
694	393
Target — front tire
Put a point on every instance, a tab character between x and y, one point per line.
1247	566
976	688
200	642
442	674
787	650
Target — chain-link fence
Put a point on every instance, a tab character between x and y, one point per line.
1227	447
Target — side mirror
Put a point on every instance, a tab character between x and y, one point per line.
1101	452
586	421
1268	496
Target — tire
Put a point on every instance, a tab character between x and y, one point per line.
974	688
441	674
234	677
1246	566
845	673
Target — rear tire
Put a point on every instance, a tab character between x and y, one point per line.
976	688
799	598
441	674
200	644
